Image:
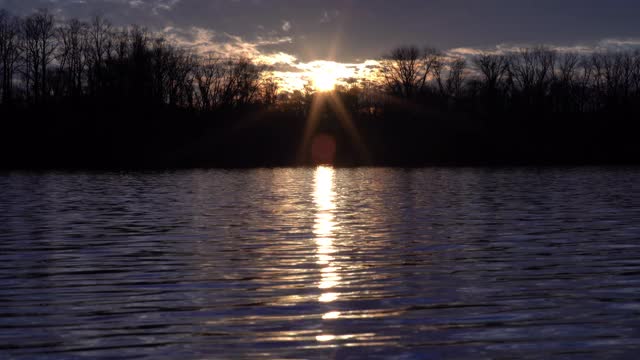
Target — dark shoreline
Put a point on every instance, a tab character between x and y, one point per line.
176	139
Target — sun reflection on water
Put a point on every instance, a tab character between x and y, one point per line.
331	315
324	235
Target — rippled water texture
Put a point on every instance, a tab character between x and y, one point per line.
321	263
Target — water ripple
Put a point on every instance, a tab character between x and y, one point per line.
321	263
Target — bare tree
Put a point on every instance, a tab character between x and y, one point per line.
566	85
122	44
39	43
180	77
246	77
534	71
208	77
455	80
71	56
9	53
269	90
437	70
240	84
98	50
405	70
568	66
493	68
636	73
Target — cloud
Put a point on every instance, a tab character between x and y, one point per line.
604	45
167	4
136	3
286	26
620	44
370	28
154	6
207	41
291	73
344	74
232	28
329	16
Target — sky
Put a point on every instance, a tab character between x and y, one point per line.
296	35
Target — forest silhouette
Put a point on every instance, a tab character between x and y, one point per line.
91	95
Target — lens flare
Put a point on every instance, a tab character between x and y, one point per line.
324	82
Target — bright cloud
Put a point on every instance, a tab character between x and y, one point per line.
599	46
154	6
206	41
291	73
342	74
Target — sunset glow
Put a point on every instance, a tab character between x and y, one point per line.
325	78
324	81
320	179
324	75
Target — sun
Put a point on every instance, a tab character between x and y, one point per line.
324	80
324	75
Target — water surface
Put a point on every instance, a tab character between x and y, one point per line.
321	263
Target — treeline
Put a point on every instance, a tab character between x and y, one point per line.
538	79
43	61
90	94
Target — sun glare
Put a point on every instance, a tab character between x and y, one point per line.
325	75
324	80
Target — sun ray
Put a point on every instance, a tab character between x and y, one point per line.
310	126
325	79
347	124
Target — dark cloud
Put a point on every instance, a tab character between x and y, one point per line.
358	29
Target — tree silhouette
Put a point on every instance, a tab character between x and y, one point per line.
405	70
39	44
128	93
9	53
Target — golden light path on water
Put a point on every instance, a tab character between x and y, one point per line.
323	230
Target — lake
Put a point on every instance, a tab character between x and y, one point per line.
321	263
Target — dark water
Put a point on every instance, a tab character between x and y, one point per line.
321	263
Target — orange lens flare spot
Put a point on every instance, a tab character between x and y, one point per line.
323	149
